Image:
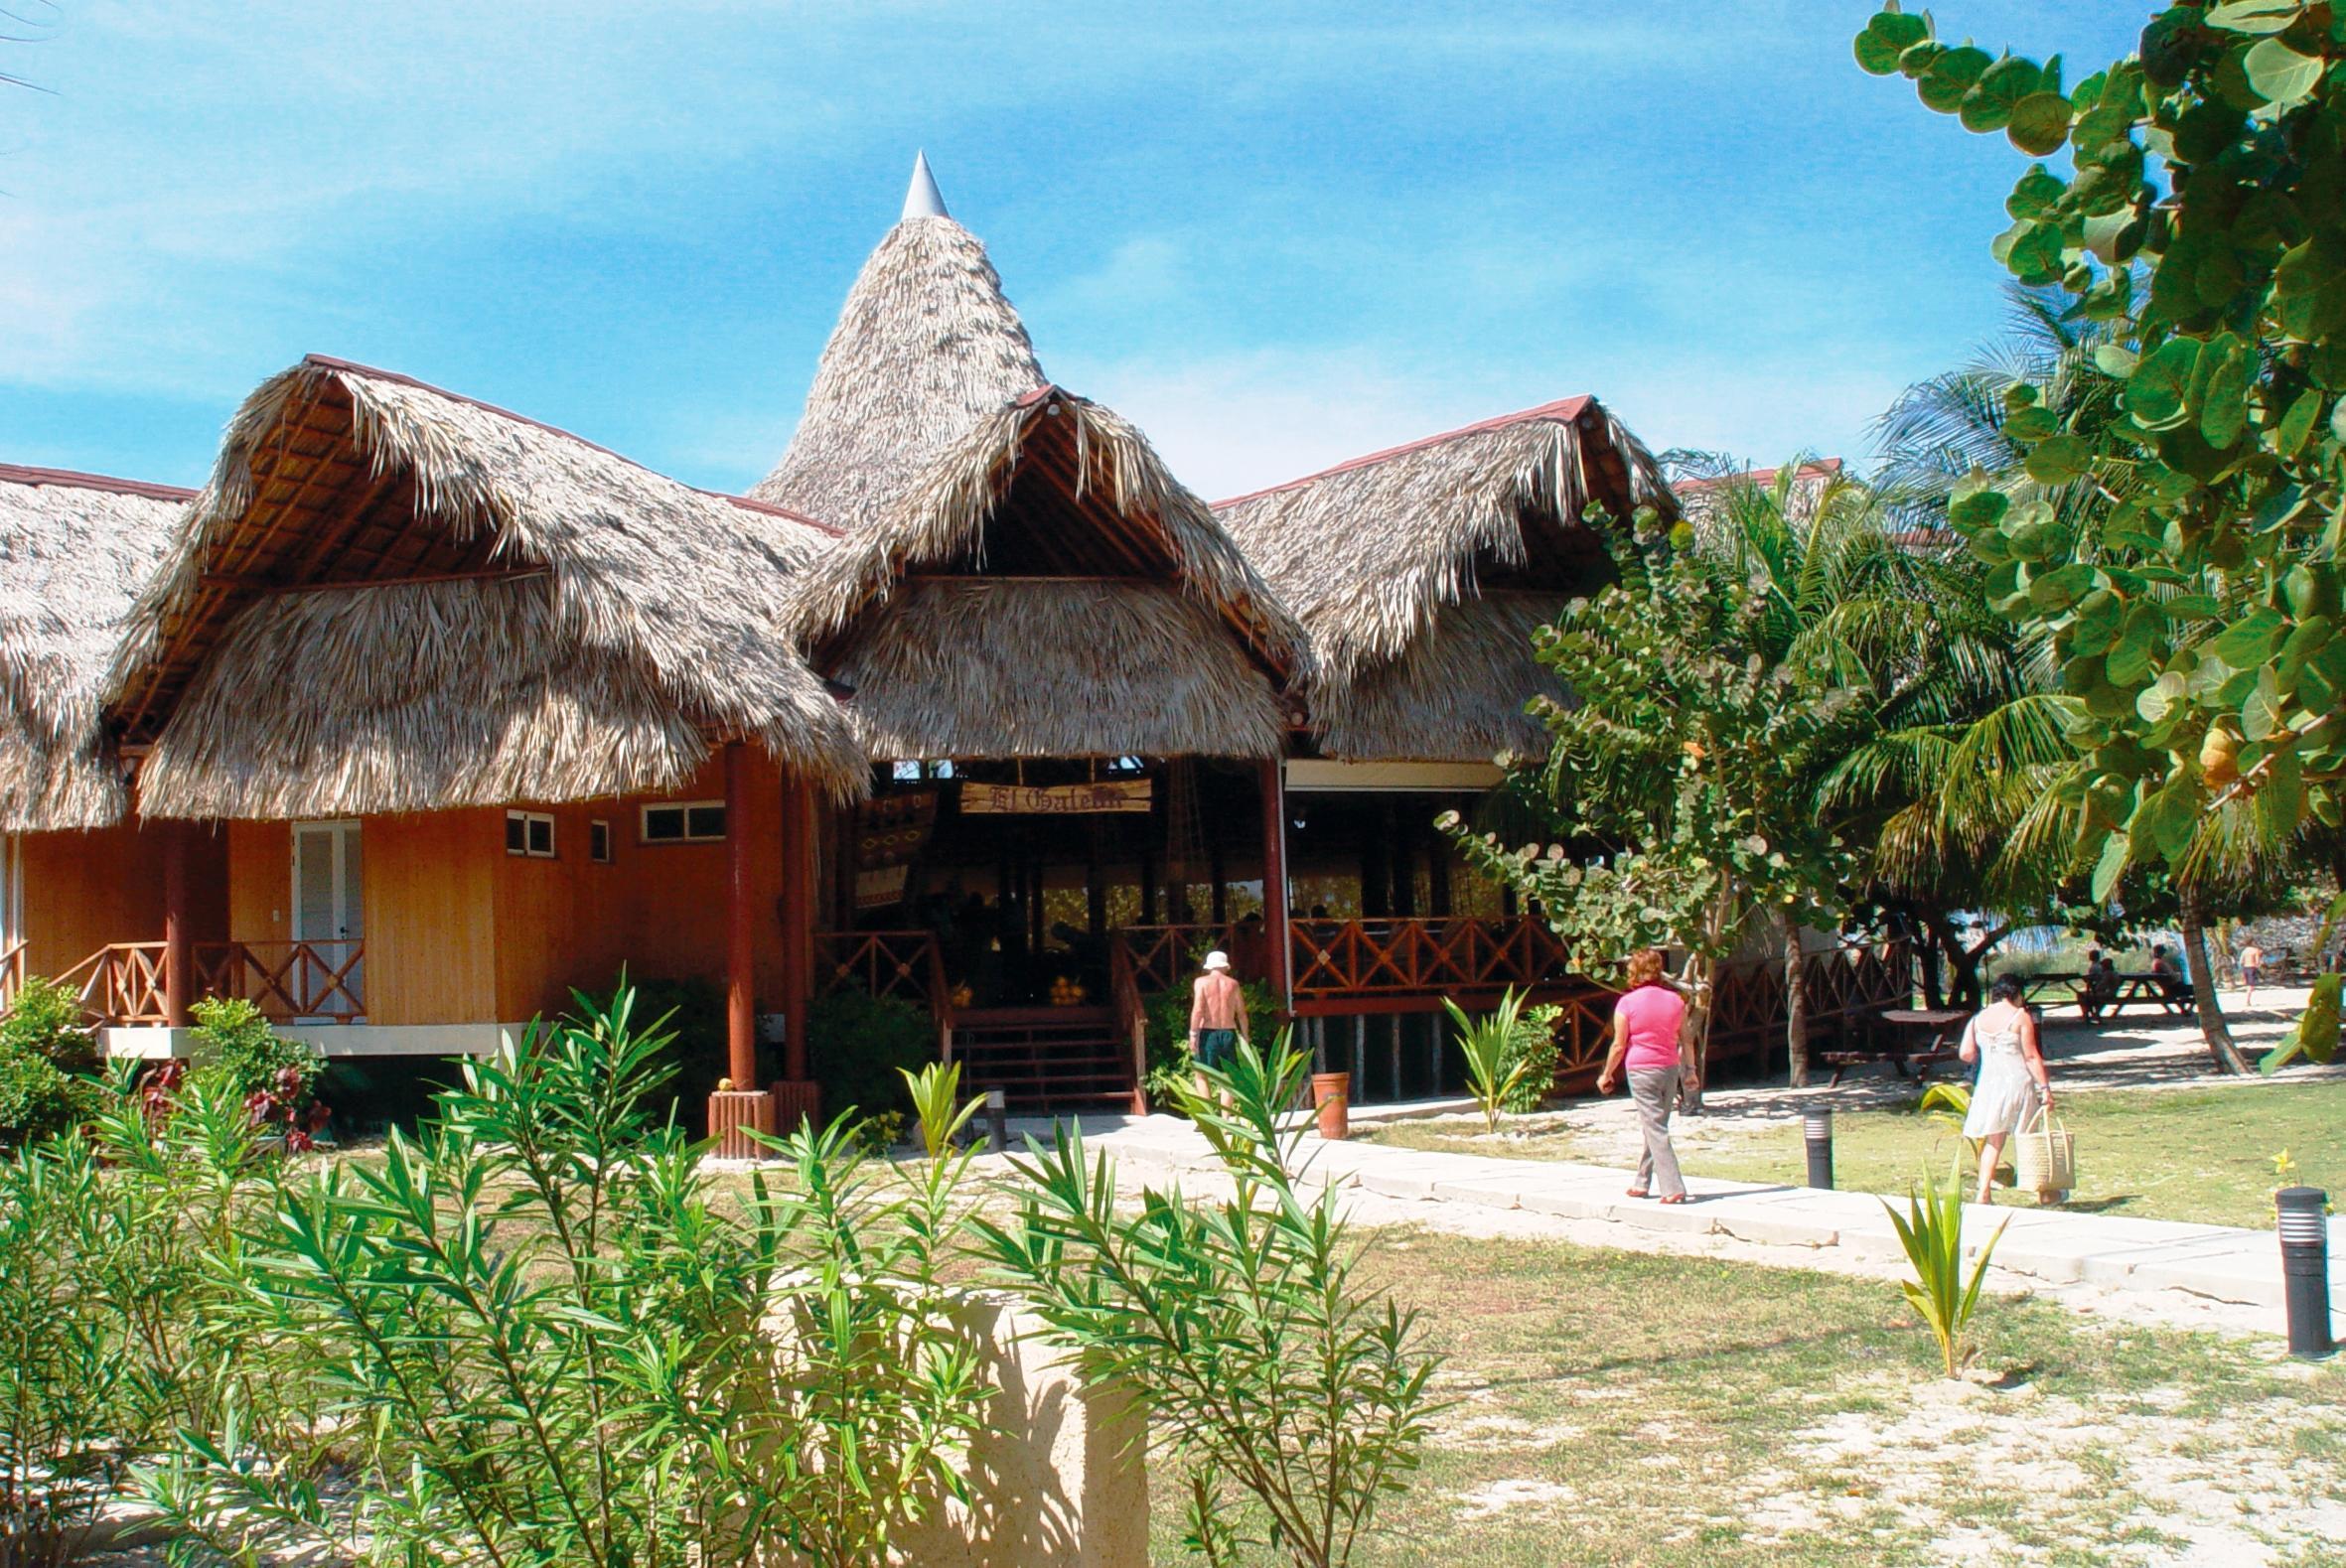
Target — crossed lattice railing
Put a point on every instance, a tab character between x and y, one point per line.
129	983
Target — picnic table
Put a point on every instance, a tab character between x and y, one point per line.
2133	990
1943	1025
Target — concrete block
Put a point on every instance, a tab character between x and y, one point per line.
1648	1214
1775	1227
1055	1476
2240	1276
1486	1192
1573	1202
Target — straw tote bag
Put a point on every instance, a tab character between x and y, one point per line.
2044	1155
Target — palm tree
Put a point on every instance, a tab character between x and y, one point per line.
1849	587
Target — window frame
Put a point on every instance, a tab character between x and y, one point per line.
599	843
684	834
531	821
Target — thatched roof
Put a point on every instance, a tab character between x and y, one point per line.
1375	555
1457	695
390	598
74	550
989	667
1050	484
926	350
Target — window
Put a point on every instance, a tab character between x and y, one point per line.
684	822
599	841
529	833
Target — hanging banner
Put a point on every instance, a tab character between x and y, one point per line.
891	829
881	888
1076	800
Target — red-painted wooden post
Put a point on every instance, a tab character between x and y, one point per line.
178	953
1274	884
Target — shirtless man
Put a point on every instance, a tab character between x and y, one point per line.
2251	969
1217	1016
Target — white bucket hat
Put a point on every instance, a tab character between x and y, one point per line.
1218	959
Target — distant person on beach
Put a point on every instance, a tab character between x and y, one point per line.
2251	969
1217	1017
2013	1085
1646	1026
2173	984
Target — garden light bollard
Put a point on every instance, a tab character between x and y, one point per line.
997	1119
1818	1126
2305	1269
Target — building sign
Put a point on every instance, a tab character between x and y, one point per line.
1076	799
881	888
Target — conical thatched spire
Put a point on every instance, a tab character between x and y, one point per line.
926	349
924	200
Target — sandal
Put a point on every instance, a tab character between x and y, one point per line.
1678	1198
1635	1192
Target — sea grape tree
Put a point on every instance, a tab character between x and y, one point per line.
2202	214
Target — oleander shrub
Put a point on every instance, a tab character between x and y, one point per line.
549	1336
276	1079
46	1051
1265	1369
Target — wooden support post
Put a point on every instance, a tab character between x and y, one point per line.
797	927
737	1111
178	949
1278	930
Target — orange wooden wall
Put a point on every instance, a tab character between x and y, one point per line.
85	889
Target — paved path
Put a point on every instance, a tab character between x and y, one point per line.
2199	1275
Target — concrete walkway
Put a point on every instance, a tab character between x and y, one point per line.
2199	1275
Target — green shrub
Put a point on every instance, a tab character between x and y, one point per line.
240	1050
1258	1360
691	1013
1497	1061
542	1321
109	1333
861	1046
46	1048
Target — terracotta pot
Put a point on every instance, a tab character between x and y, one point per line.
1331	1097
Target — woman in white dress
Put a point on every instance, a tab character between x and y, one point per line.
2013	1083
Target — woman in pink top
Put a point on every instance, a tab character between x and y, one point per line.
1646	1041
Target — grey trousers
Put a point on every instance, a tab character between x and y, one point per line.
1656	1091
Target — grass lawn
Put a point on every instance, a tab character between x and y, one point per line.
2155	1154
1620	1409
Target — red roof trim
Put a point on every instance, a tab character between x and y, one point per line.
17	473
329	363
1563	412
1823	467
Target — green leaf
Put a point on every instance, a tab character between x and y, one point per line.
2251	640
2059	459
2039	189
2109	867
2039	123
1988	105
1951	76
2256	16
2224	405
2032	424
2139	645
1982	509
2261	713
2156	392
2160	698
2115	361
2101	615
2297	423
2279	75
1889	35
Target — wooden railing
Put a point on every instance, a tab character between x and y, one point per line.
1331	960
128	983
1132	1016
1845	988
12	974
1423	957
906	966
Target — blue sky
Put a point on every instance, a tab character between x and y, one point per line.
1274	235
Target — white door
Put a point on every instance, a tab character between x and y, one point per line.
326	906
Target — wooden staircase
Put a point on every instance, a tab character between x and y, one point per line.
1045	1059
